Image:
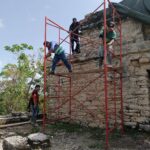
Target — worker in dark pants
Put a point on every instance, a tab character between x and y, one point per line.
55	48
110	38
34	104
74	38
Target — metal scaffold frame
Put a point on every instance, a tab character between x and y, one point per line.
99	71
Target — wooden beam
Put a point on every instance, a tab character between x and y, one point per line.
17	124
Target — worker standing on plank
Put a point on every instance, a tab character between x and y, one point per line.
110	38
74	29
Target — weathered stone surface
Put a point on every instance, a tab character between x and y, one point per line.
145	127
1	146
147	142
13	119
144	60
38	140
7	134
15	143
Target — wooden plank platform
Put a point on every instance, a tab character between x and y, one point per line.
98	70
17	124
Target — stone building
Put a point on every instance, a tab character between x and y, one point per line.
87	89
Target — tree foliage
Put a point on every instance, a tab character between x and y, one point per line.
19	78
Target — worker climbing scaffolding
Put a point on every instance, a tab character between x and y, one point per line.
53	47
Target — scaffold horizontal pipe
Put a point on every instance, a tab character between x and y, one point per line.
60	74
58	107
98	7
75	28
65	41
88	110
88	39
58	97
56	24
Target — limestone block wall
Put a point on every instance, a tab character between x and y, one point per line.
136	81
87	96
136	63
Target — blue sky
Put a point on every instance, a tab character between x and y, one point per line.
22	21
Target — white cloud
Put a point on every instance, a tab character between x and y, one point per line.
1	23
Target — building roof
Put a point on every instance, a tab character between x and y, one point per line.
136	9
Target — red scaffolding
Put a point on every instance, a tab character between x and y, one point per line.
63	82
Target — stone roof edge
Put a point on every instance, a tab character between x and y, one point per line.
95	20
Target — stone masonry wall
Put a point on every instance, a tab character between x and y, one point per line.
136	63
87	106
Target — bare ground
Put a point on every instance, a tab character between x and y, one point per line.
64	136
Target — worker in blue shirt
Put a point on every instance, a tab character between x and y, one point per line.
55	48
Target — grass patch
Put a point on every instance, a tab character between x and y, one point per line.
35	129
116	134
135	133
96	133
67	127
70	127
97	146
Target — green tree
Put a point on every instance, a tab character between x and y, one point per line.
19	78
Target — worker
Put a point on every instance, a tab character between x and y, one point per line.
54	47
34	104
74	38
110	38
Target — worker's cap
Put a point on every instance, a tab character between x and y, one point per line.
74	19
47	43
111	24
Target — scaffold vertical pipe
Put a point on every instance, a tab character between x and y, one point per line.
105	76
70	48
113	14
114	98
59	90
59	35
44	111
121	81
70	93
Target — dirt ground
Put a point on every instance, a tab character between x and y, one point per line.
64	136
